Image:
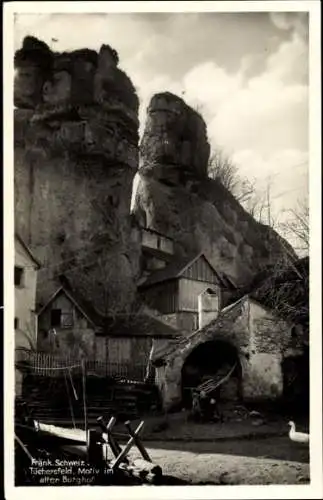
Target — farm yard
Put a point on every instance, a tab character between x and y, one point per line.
260	461
239	451
161	320
229	453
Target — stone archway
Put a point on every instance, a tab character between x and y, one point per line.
213	358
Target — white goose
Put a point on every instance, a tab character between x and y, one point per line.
298	437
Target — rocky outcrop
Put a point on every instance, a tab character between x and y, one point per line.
175	196
76	153
174	148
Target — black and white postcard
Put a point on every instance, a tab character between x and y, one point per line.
162	221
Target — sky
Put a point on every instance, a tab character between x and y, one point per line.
246	73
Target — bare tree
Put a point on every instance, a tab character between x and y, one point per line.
257	206
222	169
296	226
285	289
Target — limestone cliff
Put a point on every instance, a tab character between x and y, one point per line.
76	153
175	196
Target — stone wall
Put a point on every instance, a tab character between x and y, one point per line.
261	341
232	327
263	377
76	153
270	337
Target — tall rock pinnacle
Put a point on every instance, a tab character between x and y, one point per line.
76	153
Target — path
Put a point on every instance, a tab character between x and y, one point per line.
261	461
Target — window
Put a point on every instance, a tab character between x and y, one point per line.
67	319
63	319
19	272
16	323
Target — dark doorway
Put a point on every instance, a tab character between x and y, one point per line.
296	383
208	360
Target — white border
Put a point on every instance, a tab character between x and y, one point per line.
315	489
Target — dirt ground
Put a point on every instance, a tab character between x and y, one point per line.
233	452
247	462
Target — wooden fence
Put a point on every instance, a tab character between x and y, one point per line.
44	364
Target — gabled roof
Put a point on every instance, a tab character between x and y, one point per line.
137	325
174	270
85	309
123	325
229	313
228	280
27	250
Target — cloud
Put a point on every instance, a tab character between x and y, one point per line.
261	120
296	21
267	112
290	62
246	73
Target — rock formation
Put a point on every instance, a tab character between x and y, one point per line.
175	196
76	153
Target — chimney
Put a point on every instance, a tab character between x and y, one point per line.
208	307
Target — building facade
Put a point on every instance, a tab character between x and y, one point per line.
174	290
245	337
25	323
68	327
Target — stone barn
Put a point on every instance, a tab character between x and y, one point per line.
245	338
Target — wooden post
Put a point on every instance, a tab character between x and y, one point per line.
94	450
69	401
114	445
84	396
128	446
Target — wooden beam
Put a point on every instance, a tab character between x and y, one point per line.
24	448
128	446
138	443
114	445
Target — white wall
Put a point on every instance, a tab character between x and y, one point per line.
25	300
269	336
25	304
208	307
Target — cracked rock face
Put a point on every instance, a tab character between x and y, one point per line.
174	147
76	153
175	196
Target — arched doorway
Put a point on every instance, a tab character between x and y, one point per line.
208	360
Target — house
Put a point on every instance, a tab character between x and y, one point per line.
25	280
176	289
245	337
69	326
